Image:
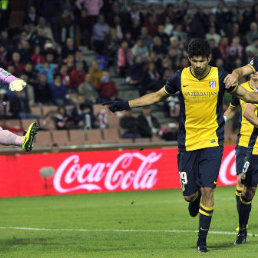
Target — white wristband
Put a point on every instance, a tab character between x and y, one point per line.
225	118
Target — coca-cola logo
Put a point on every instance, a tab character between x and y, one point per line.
129	170
227	174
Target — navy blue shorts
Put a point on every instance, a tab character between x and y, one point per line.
252	172
199	168
240	158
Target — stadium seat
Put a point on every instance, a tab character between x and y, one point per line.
113	120
110	135
47	109
36	111
77	137
14	123
157	139
43	138
60	137
93	136
121	140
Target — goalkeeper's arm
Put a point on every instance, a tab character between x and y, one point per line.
15	84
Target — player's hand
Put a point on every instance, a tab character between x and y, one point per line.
117	105
17	85
230	80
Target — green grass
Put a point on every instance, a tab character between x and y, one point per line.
146	211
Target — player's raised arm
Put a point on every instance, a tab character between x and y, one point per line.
249	114
145	100
15	84
247	96
237	74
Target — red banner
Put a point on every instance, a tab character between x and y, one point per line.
98	171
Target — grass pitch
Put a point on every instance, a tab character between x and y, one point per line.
126	224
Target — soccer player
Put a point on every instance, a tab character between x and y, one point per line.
245	134
201	124
7	137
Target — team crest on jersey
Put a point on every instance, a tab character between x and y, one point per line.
212	84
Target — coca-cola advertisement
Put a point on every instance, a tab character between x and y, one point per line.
97	171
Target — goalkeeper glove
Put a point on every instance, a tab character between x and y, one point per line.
117	105
17	85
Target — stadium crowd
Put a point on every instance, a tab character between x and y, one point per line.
145	45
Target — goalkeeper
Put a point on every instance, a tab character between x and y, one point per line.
7	137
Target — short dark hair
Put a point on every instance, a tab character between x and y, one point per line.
199	47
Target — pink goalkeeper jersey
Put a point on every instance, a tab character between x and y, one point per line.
6	77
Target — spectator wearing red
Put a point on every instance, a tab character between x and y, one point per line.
37	57
124	58
17	64
77	76
106	88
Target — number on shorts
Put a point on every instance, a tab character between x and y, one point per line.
183	178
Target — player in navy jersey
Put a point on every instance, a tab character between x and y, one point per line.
201	128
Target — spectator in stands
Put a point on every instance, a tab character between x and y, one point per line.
253	47
16	63
96	73
159	47
58	91
168	14
42	90
163	36
77	76
135	29
31	73
69	48
48	9
106	88
145	37
136	72
46	29
147	123
64	75
113	44
153	58
140	50
173	57
31	16
113	13
93	7
48	70
124	59
129	39
87	90
150	24
252	34
85	24
213	35
62	119
150	80
230	61
215	52
182	11
236	44
118	27
66	24
25	52
224	47
38	38
19	106
100	31
168	26
78	58
179	33
129	125
4	39
135	13
37	56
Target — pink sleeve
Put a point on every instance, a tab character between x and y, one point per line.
6	77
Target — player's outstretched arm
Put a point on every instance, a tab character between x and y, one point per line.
249	114
15	84
145	100
247	96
